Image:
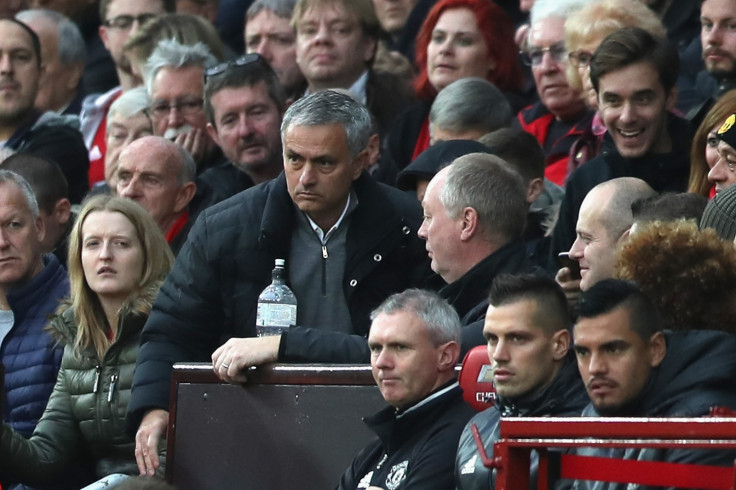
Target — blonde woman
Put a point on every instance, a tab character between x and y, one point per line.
117	260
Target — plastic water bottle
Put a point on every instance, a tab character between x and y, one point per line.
276	305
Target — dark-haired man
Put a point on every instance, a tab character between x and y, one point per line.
631	368
22	127
527	329
634	74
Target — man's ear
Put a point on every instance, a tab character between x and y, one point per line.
560	344
470	225
212	131
534	190
360	163
63	210
184	196
448	356
671	99
657	349
40	229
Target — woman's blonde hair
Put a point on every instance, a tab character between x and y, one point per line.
724	107
598	19
157	259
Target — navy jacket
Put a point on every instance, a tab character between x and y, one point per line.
31	357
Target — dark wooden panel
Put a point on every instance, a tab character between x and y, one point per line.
275	432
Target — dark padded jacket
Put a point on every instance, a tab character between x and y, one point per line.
85	417
663	172
698	372
414	450
212	291
565	396
29	353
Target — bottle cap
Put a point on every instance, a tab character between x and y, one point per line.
280	262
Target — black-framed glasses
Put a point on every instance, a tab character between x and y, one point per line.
535	55
249	59
125	22
580	58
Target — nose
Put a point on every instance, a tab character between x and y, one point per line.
264	49
500	352
382	360
422	231
712	37
548	62
627	113
718	172
105	252
577	249
4	243
323	33
175	119
597	364
130	189
6	66
245	126
308	176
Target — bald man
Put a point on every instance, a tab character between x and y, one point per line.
603	224
159	175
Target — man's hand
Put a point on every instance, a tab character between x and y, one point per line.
196	142
232	358
570	286
152	428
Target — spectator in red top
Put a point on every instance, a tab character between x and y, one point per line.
459	39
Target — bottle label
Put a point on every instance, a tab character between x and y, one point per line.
275	315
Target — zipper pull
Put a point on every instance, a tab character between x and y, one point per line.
97	379
113	382
324	252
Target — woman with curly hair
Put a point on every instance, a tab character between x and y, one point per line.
690	274
118	258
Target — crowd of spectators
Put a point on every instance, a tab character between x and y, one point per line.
550	178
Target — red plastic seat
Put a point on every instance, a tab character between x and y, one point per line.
476	379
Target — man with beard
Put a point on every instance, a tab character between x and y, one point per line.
718	39
631	368
243	103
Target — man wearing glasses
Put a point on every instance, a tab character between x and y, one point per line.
560	115
120	19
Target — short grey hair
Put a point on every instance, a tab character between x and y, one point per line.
490	186
188	172
130	103
332	107
470	103
281	8
441	319
69	40
7	176
545	9
170	53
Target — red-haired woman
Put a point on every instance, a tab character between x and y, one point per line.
459	39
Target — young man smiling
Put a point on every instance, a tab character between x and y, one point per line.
634	74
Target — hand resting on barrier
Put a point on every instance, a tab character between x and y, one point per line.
231	360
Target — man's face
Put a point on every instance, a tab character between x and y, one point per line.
58	83
20	238
441	232
522	353
320	171
549	75
273	38
392	14
633	105
331	48
19	72
122	131
115	36
723	173
614	361
718	36
404	361
246	127
176	101
148	174
594	247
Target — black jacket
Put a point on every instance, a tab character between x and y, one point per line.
663	172
211	293
698	372
415	449
565	396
